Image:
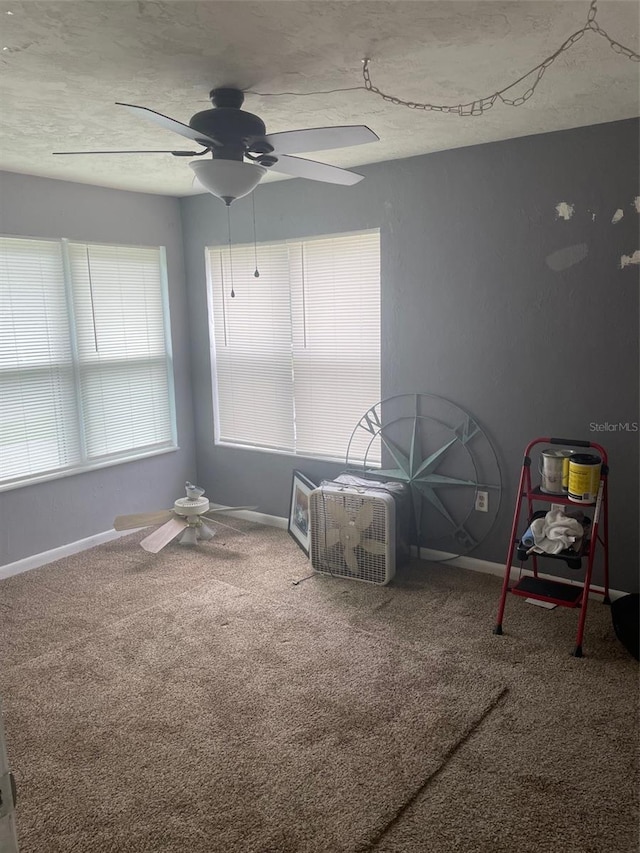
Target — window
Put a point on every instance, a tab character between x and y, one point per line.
297	351
85	360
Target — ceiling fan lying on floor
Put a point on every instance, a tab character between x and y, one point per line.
242	151
187	518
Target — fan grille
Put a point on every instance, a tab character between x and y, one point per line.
352	533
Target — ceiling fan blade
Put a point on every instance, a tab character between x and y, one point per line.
315	171
170	124
155	541
142	519
320	138
230	526
229	509
175	153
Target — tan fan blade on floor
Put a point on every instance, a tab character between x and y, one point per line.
155	541
230	509
142	519
216	520
210	513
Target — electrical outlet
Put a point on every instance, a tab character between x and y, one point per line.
482	501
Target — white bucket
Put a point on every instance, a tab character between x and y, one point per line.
551	471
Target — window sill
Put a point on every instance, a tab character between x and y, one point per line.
83	469
290	453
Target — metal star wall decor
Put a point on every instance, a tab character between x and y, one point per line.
445	459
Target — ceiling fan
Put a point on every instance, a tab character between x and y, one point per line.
242	151
187	517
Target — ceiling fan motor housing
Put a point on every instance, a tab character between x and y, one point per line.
233	128
187	507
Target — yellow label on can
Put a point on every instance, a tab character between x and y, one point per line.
566	457
584	480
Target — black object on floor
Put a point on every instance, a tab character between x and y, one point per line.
625	613
563	594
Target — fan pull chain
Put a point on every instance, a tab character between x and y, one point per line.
255	248
224	303
229	243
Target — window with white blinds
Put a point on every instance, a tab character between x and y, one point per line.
296	352
85	357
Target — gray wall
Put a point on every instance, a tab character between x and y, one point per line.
471	309
44	516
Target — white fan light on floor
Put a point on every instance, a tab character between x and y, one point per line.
186	519
353	533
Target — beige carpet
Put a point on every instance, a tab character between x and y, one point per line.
220	720
199	701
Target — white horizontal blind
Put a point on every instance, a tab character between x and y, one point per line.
124	390
252	334
85	366
336	341
297	351
38	424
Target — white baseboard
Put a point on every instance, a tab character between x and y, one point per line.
41	559
44	557
488	568
471	563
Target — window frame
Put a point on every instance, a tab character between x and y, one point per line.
84	463
220	247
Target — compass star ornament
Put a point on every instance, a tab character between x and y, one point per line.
443	456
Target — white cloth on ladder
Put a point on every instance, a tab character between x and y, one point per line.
555	532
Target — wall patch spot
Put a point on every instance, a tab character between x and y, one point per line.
567	257
617	216
625	260
564	210
636	203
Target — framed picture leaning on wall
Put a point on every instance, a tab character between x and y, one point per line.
301	486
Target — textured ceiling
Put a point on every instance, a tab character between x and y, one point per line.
64	64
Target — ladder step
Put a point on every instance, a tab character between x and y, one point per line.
563	594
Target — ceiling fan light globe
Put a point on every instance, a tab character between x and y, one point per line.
228	179
189	537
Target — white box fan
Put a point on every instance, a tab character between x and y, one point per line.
353	532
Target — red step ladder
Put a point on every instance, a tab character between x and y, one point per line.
559	592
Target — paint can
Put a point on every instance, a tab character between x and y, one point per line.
566	456
584	477
551	467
